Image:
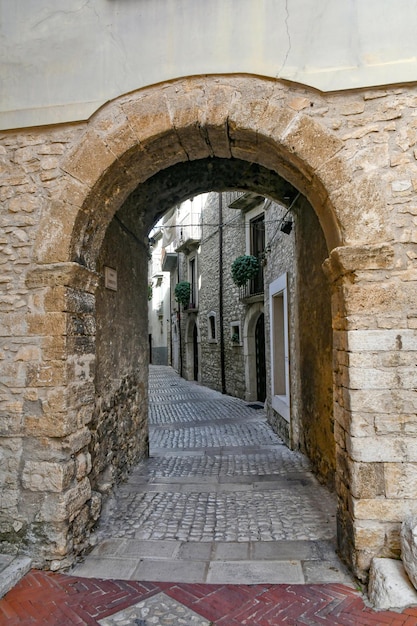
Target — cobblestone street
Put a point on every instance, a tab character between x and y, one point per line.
220	499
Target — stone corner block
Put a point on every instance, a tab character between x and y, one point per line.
389	585
408	539
47	476
349	259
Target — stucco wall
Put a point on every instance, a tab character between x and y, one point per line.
63	59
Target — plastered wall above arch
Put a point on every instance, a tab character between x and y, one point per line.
63	59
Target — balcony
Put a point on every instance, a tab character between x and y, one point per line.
191	308
253	290
189	235
168	261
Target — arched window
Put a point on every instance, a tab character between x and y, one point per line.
212	327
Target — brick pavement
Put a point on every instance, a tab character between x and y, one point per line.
48	599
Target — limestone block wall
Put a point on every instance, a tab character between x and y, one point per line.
353	156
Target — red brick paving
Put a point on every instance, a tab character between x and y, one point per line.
47	599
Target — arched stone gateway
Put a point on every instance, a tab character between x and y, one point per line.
79	193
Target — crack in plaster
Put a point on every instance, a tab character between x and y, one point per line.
287	54
60	12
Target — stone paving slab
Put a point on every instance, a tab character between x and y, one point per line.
217	571
217	486
256	572
171	571
216	550
298	562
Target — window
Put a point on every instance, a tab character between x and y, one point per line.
211	327
279	347
255	245
235	334
192	278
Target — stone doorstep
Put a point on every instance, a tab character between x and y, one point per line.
12	569
214	572
297	562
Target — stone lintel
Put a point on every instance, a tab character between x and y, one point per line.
68	274
346	260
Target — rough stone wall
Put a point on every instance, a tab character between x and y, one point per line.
209	297
119	425
233	309
46	495
353	155
315	358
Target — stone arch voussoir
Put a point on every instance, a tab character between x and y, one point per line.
140	134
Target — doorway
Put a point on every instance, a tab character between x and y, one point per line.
260	359
195	352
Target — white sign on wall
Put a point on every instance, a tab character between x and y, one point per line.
110	278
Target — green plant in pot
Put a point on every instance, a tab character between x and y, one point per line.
182	292
244	268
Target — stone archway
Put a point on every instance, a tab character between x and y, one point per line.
130	141
249	345
135	137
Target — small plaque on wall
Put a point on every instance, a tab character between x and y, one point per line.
110	278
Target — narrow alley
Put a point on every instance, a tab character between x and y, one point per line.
221	500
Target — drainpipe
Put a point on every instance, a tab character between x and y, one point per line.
179	319
222	359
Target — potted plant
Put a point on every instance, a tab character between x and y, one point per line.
244	268
182	292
